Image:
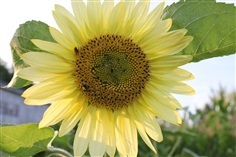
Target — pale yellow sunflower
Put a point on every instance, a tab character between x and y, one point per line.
111	72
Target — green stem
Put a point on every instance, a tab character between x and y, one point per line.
155	146
55	154
59	151
177	143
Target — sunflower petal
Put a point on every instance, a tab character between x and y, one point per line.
46	89
97	144
111	141
61	39
80	12
56	64
176	87
35	74
95	20
84	133
58	96
175	74
162	96
138	16
126	137
51	115
159	110
115	25
107	9
72	119
152	34
170	61
140	128
55	49
68	25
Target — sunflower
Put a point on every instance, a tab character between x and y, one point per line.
111	71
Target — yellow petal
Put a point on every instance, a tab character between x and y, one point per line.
107	7
126	137
68	25
55	49
54	64
80	12
115	25
139	16
124	25
159	110
175	74
35	74
97	144
162	97
111	140
56	112
83	133
72	119
129	6
61	39
47	89
170	61
167	49
95	20
67	93
140	127
151	126
176	87
149	122
148	23
152	34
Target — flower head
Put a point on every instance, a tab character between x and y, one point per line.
111	70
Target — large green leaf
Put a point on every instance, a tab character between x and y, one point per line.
24	140
21	43
213	26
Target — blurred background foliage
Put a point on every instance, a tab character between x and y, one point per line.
210	131
5	73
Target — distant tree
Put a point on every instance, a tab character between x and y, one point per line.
5	74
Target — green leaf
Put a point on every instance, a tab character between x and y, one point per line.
178	132
24	140
21	43
188	151
211	24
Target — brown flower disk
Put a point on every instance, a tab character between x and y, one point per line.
111	71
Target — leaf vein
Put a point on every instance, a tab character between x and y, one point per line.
197	49
225	37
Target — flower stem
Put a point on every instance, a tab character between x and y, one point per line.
59	152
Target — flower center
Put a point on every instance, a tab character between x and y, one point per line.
111	71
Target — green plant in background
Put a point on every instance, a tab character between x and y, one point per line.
5	74
215	126
208	132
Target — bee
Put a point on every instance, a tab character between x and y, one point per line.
76	50
85	87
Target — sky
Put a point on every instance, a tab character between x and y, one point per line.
209	74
